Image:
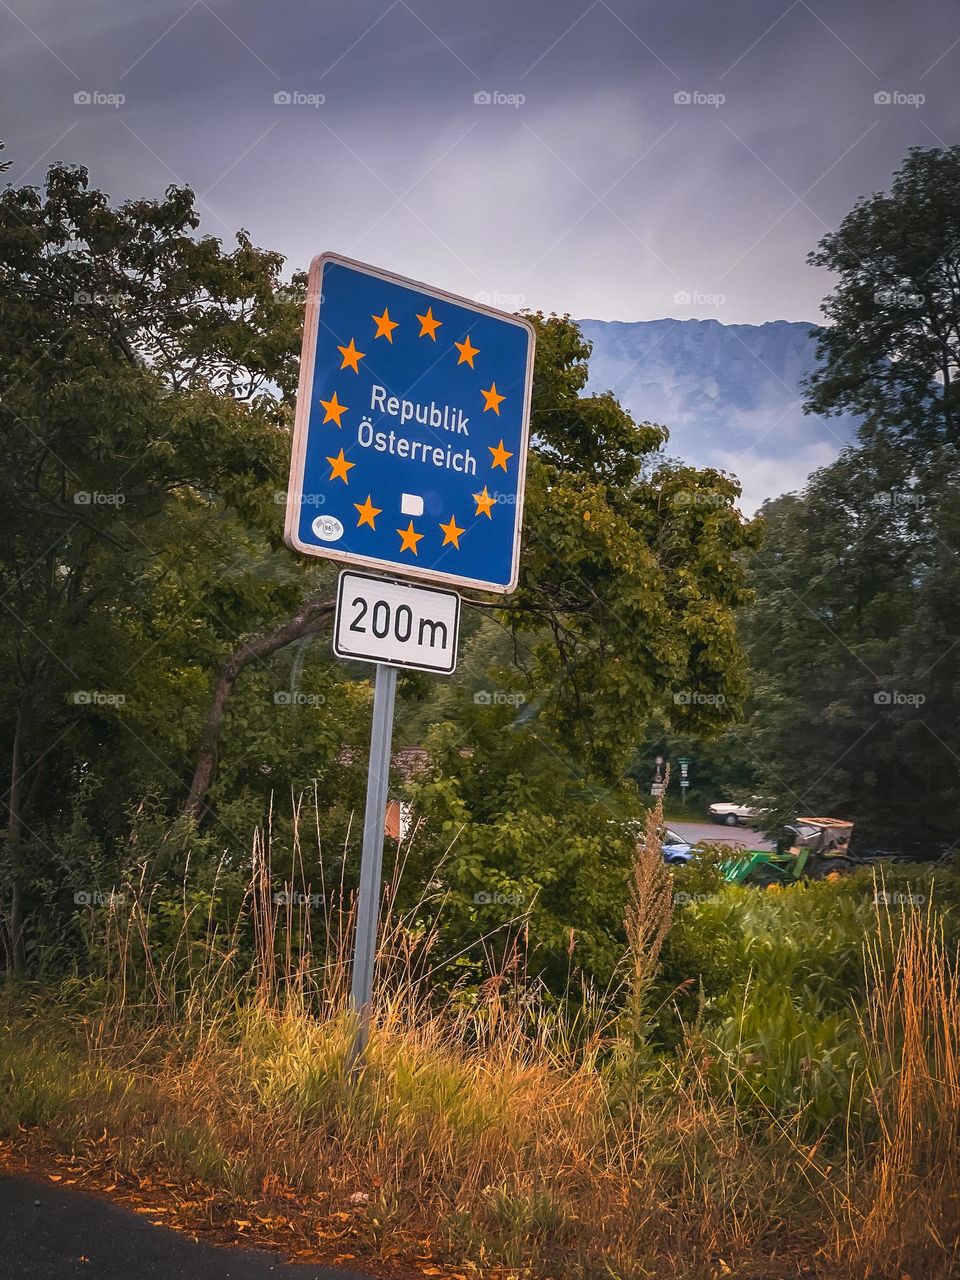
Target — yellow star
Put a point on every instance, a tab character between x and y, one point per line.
409	538
452	532
340	466
334	409
500	455
385	326
493	399
484	502
467	351
351	356
367	512
429	326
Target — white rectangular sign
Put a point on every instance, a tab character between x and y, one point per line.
396	623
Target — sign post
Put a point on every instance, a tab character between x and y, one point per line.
371	859
684	763
409	459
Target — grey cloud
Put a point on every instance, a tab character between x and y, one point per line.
701	199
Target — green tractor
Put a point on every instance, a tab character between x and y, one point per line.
811	849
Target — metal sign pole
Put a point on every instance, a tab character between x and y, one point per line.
371	862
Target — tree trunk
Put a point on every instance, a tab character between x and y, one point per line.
308	619
14	829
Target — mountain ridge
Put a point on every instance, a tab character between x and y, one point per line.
730	394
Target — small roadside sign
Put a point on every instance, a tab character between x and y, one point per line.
410	437
397	623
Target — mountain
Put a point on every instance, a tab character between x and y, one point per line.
729	393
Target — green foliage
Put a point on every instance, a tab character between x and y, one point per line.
892	349
721	768
145	404
772	984
145	377
630	582
855	699
514	842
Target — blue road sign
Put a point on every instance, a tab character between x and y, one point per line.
410	441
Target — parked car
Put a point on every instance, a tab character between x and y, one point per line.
674	848
732	815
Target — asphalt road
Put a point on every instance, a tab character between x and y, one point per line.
58	1233
694	831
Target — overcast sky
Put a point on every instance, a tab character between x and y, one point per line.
589	189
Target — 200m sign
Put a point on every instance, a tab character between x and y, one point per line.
393	622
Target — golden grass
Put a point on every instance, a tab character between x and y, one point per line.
910	1200
482	1135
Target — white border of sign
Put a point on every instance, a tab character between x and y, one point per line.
402	663
311	327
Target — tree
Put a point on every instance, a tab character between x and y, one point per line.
892	350
855	697
631	573
632	570
856	626
146	376
138	376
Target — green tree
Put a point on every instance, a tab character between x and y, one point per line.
891	351
855	695
632	570
856	626
144	377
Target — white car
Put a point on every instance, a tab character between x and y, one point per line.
733	814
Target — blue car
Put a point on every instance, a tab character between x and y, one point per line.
674	848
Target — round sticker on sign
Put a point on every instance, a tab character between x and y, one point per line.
327	528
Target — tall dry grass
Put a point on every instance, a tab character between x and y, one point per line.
909	1198
484	1129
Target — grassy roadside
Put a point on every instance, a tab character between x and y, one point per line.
499	1134
484	1158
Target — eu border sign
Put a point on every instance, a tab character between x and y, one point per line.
410	440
